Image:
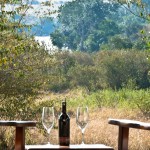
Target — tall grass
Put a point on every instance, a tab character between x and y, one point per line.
103	104
120	99
125	103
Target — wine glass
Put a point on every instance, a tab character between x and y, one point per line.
48	119
82	119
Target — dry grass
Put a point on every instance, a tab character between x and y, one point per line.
99	131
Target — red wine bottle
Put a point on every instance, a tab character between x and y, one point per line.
64	127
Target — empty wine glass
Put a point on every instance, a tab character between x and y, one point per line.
48	119
82	119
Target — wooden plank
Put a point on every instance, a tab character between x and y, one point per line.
20	138
20	131
18	123
124	125
123	138
130	123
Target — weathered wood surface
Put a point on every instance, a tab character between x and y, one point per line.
130	123
20	131
123	133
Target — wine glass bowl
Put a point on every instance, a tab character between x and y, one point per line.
48	119
82	119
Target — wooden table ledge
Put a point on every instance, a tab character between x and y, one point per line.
124	125
20	131
130	123
17	123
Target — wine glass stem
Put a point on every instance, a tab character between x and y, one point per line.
49	137
82	137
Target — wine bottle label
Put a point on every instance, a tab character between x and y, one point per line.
64	141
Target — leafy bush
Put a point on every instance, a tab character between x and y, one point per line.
85	76
105	69
60	75
143	102
118	42
121	66
22	74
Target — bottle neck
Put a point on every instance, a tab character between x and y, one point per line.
64	107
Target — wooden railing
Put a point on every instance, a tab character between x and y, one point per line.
124	125
123	135
20	131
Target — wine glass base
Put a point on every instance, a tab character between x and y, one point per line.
48	143
82	143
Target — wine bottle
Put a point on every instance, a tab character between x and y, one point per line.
64	127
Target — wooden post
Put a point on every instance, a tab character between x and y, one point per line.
20	131
124	125
123	138
20	138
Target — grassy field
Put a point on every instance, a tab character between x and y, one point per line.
125	103
99	131
102	106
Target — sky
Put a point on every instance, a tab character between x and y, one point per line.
37	7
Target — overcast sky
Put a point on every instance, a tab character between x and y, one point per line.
36	7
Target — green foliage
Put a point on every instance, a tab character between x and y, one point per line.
120	67
23	64
106	69
26	69
85	76
79	22
95	25
57	75
22	72
117	42
124	98
60	75
101	34
143	102
141	7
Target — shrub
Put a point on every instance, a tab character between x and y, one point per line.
121	66
22	76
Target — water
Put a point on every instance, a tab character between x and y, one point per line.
46	41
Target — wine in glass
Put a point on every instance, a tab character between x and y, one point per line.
48	119
82	119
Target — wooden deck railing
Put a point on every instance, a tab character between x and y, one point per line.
124	125
20	131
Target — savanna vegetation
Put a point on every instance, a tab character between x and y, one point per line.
108	71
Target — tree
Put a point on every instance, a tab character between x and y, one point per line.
23	65
22	73
139	8
142	10
77	21
101	34
118	42
118	67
